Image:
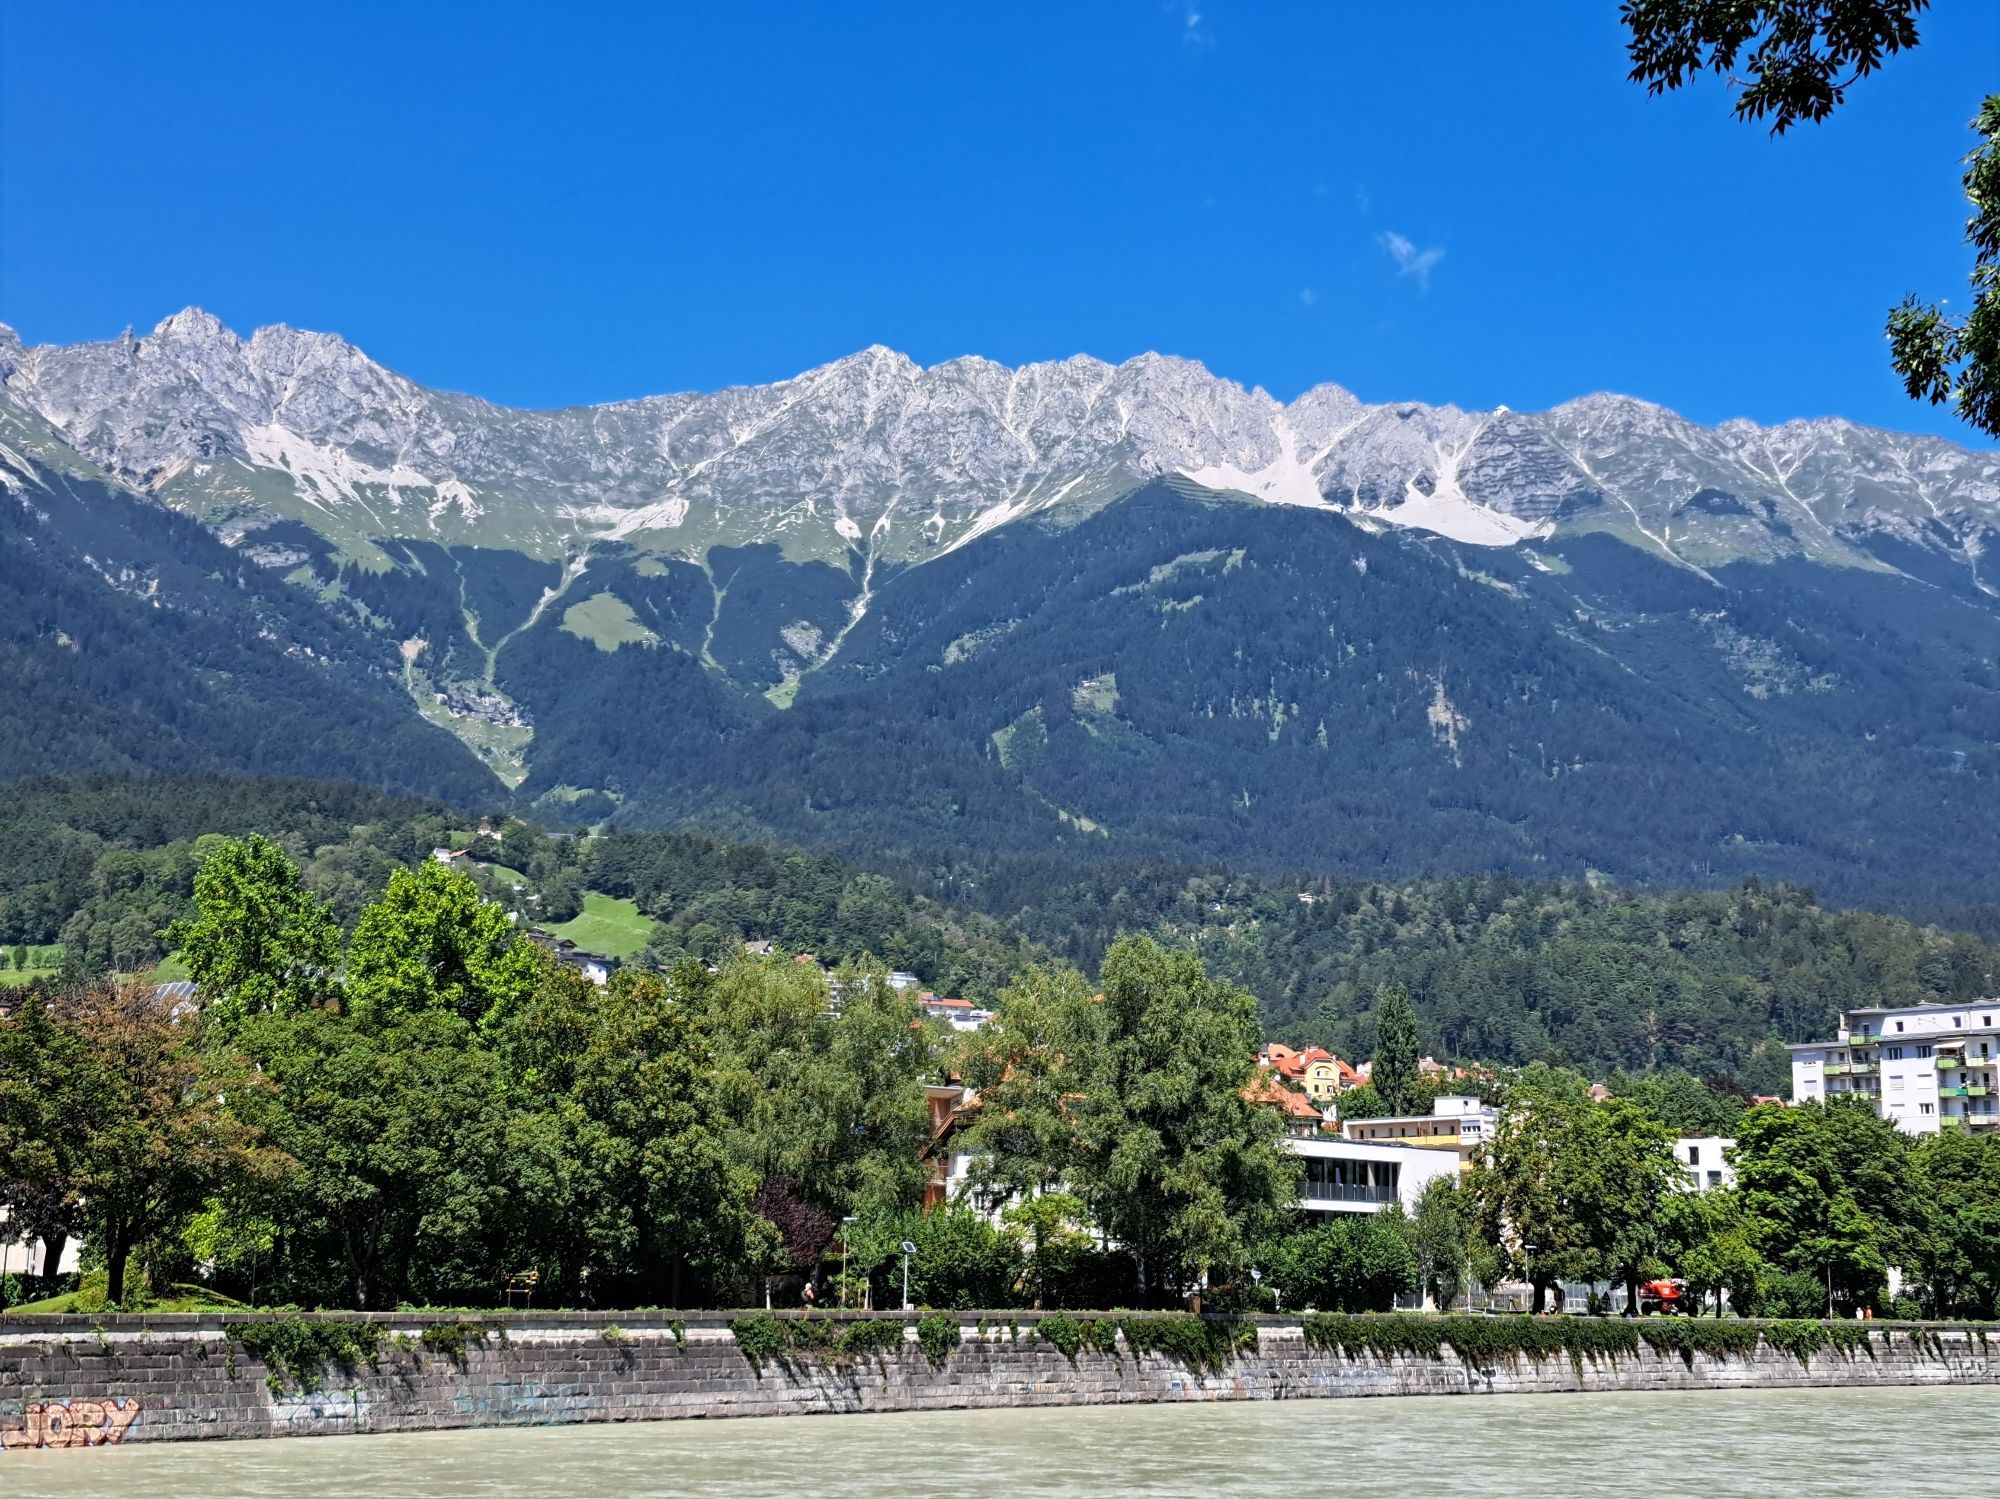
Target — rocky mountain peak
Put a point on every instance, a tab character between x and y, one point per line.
877	453
194	325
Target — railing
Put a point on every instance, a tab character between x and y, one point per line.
1837	1069
1343	1192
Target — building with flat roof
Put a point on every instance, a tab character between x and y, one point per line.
1362	1176
1457	1122
1925	1068
1702	1157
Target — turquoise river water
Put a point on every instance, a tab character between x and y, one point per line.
1884	1444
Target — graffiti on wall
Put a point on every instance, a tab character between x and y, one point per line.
71	1423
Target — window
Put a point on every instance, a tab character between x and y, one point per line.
1923	1051
1899	1025
1895	1053
1957	1022
1895	1082
1926	1108
1715	1178
1694	1155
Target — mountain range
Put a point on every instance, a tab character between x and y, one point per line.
1073	610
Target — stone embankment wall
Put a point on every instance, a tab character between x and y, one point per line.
81	1382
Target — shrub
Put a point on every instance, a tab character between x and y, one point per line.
1792	1296
1480	1340
764	1338
300	1348
760	1337
962	1261
938	1334
1203	1344
1064	1331
1688	1336
450	1338
1075	1276
1352	1264
861	1339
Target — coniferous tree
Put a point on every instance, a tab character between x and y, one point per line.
1394	1074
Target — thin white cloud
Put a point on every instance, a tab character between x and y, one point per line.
1410	261
1194	34
1309	297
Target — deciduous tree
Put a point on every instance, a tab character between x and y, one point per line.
429	943
259	941
1826	1192
156	1125
1793	62
1175	1163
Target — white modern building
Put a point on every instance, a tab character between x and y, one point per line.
1703	1158
1457	1122
1361	1176
29	1258
1924	1068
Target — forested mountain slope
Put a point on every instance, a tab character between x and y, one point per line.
1501	970
131	637
968	620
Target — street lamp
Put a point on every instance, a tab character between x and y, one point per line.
846	1232
908	1250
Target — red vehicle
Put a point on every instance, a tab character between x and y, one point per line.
1662	1296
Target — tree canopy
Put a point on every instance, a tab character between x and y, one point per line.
1794	61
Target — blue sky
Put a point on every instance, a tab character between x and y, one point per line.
548	204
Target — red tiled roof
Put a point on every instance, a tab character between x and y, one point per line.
1267	1090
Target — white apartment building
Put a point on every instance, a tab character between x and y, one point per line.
29	1258
1361	1176
1457	1122
1924	1068
1702	1158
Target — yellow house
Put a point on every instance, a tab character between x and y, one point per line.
1316	1071
1320	1075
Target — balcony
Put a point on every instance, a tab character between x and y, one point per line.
1974	1090
1954	1092
1947	1061
1314	1191
1837	1069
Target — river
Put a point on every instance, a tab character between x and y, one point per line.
1882	1443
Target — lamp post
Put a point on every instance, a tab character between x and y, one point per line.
846	1232
908	1250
